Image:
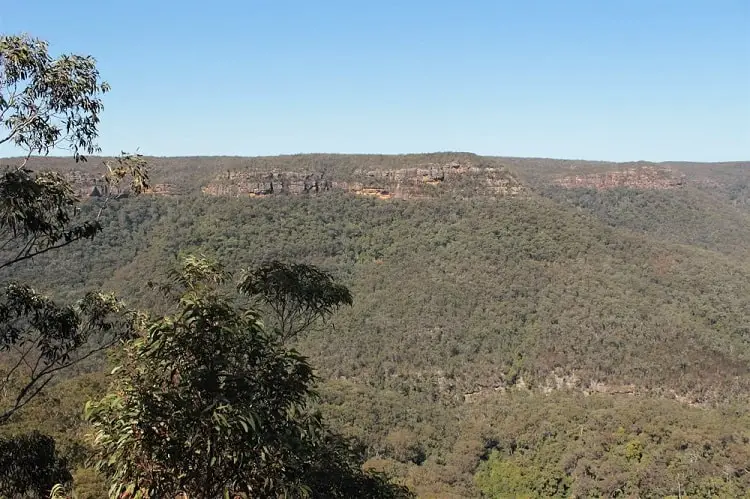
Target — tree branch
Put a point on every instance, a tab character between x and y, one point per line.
26	248
22	359
40	252
10	101
5	416
17	128
26	395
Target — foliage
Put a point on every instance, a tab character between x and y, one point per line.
498	478
297	295
39	212
46	102
695	216
561	293
42	338
466	303
207	402
603	446
29	463
335	471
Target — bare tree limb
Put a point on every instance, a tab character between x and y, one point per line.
40	252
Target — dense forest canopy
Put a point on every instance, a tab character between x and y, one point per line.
518	326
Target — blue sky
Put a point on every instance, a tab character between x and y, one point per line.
606	79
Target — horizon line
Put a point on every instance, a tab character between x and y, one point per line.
281	155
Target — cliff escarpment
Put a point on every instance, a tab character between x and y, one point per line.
418	181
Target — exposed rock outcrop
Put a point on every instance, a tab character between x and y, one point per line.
89	185
93	186
237	183
404	183
164	189
645	177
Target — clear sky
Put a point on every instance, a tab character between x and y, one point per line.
598	79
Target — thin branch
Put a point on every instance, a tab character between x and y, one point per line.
282	315
10	101
17	129
6	243
21	359
40	252
36	365
78	359
5	416
26	394
25	160
104	205
24	354
26	248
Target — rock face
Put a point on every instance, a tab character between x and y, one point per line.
237	183
376	177
645	177
91	185
164	189
422	178
405	183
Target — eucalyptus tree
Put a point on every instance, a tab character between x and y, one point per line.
49	103
207	403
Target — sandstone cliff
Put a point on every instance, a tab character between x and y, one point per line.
421	180
644	177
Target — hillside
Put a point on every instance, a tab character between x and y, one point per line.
586	321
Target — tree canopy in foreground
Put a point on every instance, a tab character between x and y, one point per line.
208	403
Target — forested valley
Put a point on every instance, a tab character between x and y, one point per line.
490	327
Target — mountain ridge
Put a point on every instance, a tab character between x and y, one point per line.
402	175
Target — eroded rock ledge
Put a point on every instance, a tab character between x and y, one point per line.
405	183
644	177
